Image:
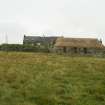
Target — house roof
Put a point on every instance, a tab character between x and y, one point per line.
79	42
34	39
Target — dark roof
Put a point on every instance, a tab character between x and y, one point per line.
34	39
79	42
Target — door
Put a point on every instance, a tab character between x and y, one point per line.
64	49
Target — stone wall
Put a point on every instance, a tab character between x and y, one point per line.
81	51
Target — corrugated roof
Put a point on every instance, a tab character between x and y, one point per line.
79	42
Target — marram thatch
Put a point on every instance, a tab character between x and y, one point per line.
79	42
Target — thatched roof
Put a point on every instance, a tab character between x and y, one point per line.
79	42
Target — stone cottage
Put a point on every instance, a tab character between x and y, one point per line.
79	46
39	41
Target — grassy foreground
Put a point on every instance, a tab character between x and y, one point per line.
49	79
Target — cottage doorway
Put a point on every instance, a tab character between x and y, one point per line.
64	49
75	49
85	50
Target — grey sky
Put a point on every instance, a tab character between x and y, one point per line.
71	18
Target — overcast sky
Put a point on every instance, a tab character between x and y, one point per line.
70	18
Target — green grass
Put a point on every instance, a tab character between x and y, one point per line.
50	79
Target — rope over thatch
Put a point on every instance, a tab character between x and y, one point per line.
79	42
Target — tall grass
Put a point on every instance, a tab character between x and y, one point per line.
50	79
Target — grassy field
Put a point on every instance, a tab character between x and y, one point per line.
49	79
